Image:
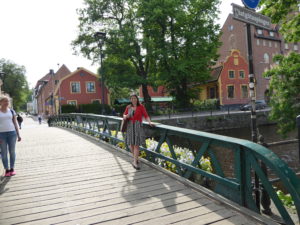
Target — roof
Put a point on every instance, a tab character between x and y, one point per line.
71	74
62	72
153	99
215	74
44	79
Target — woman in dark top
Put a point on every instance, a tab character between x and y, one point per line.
134	134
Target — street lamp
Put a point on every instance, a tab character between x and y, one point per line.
100	36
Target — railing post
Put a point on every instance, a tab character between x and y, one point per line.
298	125
265	198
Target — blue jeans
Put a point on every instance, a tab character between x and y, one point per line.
8	144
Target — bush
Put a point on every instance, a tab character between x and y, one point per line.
120	108
95	108
68	108
207	104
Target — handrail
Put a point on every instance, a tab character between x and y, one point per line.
247	158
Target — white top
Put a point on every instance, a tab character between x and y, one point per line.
6	122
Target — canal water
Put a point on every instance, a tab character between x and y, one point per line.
269	133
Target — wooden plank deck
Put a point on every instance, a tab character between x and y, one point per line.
63	178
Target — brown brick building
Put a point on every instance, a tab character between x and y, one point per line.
265	44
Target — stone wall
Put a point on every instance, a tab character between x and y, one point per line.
218	122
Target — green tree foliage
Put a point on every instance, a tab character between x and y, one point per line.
156	42
286	14
285	91
123	45
183	39
285	78
15	83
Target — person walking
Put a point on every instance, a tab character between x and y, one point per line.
20	120
40	119
9	134
134	133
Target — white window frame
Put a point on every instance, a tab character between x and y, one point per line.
259	31
73	82
86	86
70	102
286	46
257	42
296	47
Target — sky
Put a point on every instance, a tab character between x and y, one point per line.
38	34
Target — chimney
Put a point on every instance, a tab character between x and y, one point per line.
51	72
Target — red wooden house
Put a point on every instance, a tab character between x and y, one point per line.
80	87
63	87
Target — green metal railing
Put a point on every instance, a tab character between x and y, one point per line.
246	161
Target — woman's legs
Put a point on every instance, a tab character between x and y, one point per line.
136	154
3	146
132	149
12	139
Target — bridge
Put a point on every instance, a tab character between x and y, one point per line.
65	175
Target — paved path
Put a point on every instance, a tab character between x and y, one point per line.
63	178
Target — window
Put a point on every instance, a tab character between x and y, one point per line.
75	87
275	44
244	91
271	33
295	47
230	91
236	60
270	44
82	74
230	27
231	74
266	58
90	87
264	43
212	92
259	31
257	42
286	46
242	74
72	102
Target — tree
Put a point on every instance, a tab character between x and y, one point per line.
285	91
167	42
286	14
285	77
124	42
183	39
115	68
15	83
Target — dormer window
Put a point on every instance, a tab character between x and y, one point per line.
259	31
272	34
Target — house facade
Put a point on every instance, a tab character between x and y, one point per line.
80	87
265	44
229	82
65	87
